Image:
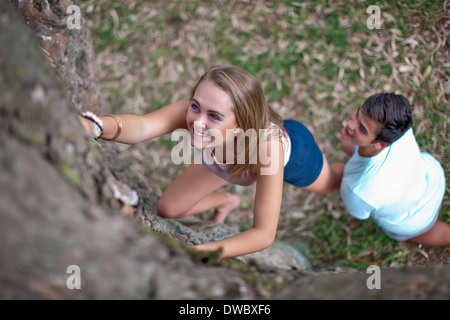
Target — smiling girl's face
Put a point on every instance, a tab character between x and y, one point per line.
211	109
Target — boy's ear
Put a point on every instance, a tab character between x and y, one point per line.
381	145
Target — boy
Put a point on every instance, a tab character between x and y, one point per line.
388	177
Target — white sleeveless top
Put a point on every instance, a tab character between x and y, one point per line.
223	170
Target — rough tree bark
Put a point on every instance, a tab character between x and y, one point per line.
70	50
58	208
57	205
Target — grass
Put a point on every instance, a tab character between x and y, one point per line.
317	61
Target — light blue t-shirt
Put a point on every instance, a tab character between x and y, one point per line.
401	188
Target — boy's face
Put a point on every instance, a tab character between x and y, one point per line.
361	130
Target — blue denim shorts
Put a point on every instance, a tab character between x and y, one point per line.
306	160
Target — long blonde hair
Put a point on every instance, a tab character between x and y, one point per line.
250	106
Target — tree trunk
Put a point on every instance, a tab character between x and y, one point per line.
69	49
57	204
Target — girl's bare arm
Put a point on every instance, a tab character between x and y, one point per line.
266	213
137	128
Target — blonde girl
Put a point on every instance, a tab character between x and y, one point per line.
226	103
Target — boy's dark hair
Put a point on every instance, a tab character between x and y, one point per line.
392	111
